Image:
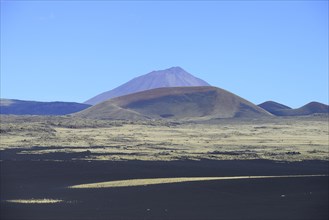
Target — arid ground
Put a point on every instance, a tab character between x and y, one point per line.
46	163
280	138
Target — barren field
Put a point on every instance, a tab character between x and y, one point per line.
281	138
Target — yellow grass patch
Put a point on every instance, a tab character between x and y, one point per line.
35	201
154	181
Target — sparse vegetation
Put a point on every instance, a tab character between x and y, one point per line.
293	139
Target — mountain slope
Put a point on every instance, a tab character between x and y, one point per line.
176	103
172	77
20	107
308	109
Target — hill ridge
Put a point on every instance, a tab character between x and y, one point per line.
24	107
307	109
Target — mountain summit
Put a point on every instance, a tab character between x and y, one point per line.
172	77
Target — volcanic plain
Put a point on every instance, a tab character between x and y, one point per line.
183	169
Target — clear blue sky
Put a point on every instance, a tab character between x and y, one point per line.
72	51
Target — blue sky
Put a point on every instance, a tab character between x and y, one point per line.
74	50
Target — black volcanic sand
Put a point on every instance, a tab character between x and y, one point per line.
304	198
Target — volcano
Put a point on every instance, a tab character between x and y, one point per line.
202	102
172	77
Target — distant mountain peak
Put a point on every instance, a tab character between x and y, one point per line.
175	69
171	77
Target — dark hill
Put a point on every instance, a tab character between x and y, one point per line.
308	109
175	103
20	107
273	107
172	77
